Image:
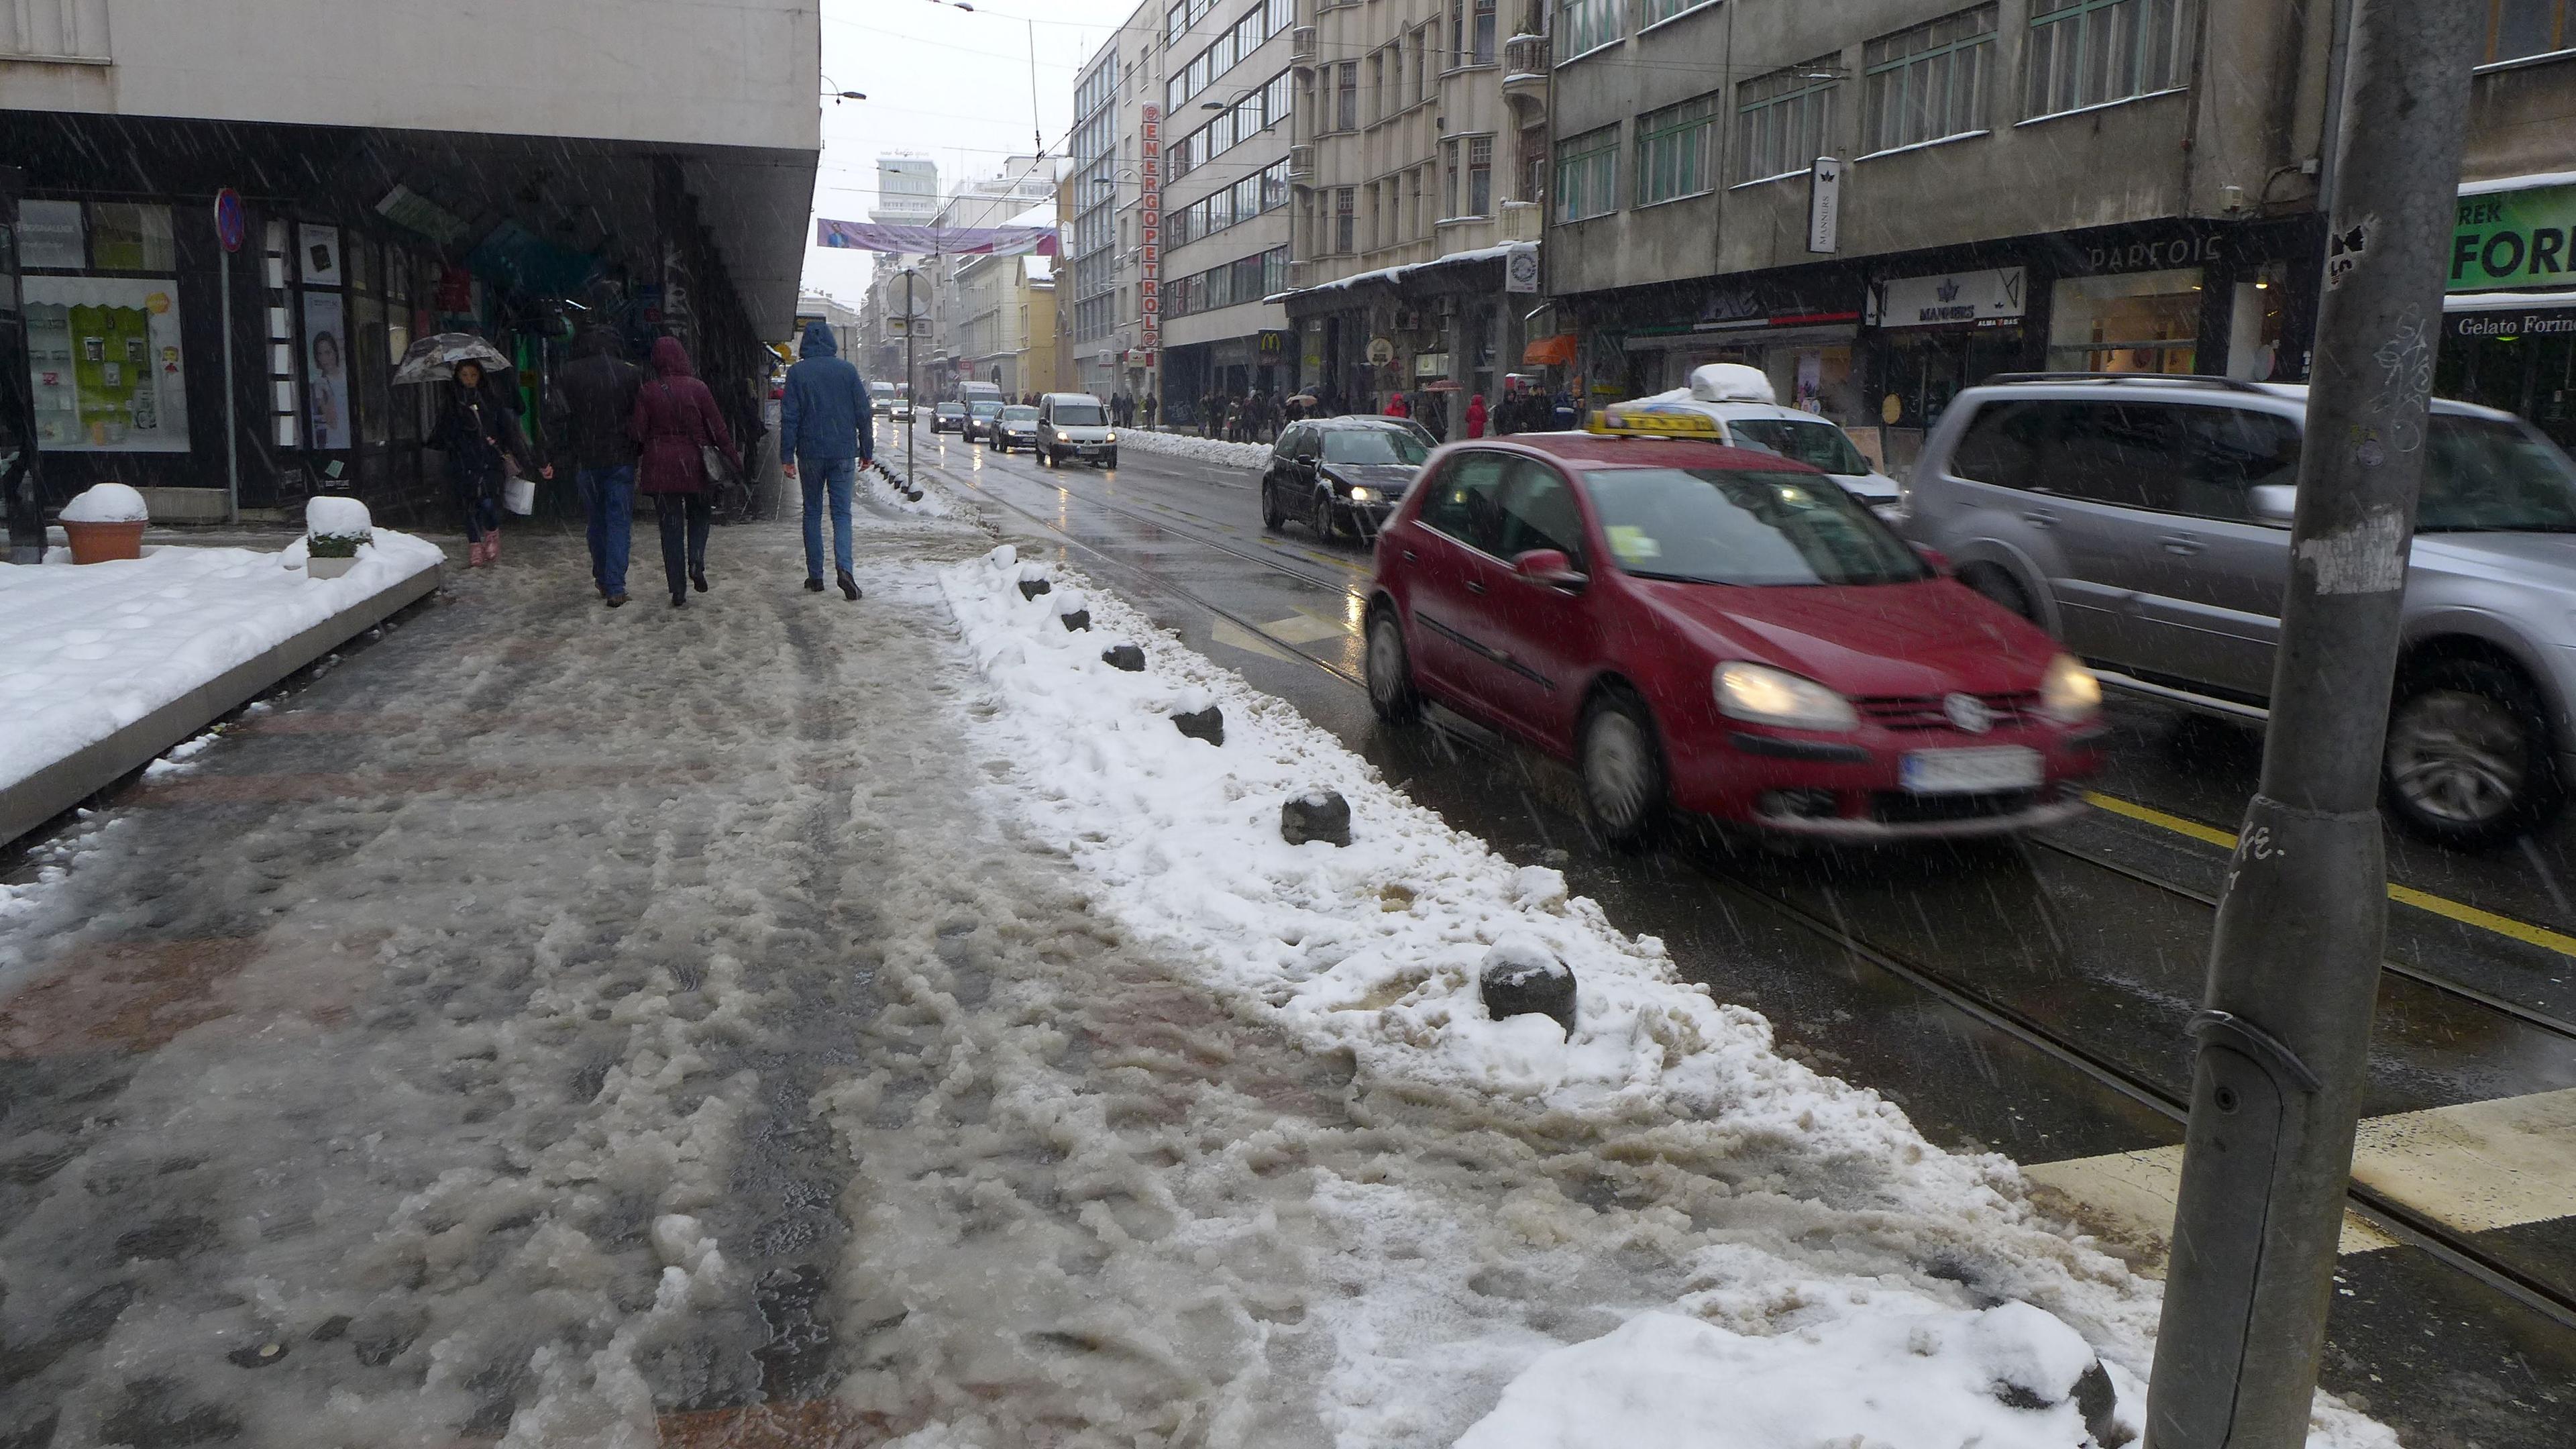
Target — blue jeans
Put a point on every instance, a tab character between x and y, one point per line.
608	496
839	475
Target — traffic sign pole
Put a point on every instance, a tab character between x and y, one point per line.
230	228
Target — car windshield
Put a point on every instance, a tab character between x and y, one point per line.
1817	444
950	408
986	409
1721	526
1078	415
2487	475
1374	445
1019	415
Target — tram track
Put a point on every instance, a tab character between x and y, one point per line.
2400	1222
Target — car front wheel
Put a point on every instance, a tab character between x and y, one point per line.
2468	762
1623	770
1390	671
1320	518
1271	518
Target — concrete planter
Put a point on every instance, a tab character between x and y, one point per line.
102	542
328	568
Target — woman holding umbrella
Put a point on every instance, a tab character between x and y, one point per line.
479	435
676	421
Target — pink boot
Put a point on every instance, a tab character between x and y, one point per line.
492	544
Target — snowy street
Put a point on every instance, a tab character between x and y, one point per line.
560	1027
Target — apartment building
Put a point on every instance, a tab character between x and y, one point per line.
1418	177
1224	98
979	309
2074	185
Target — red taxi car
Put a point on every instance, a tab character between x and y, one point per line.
1721	631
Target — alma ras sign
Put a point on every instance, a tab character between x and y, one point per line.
1952	299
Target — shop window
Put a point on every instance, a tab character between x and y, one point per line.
1587	175
2140	322
1674	147
52	235
2259	318
1785	120
2519	28
105	360
131	238
371	363
2092	52
1928	82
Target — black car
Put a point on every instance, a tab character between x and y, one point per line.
1015	426
948	417
1339	475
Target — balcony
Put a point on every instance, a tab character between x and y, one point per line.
1301	47
1525	66
1301	163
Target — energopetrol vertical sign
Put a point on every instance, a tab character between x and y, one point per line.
1149	223
2515	239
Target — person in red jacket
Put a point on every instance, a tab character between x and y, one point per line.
1397	407
675	421
1476	416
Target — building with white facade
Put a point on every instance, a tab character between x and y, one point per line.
1226	94
907	190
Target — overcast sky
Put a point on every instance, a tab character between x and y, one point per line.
950	84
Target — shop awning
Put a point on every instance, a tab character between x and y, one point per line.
1554	351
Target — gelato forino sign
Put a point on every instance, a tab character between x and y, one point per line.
2515	239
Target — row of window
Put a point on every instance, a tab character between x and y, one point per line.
1263	274
1263	191
1099	88
1920	84
1398	207
1255	113
1258	24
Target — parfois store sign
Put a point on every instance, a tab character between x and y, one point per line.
1149	223
2514	239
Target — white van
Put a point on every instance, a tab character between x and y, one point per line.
1742	402
1075	425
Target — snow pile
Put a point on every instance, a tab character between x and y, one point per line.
85	652
107	503
1793	1229
329	517
934	501
1204	450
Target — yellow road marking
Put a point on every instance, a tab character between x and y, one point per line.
2467	915
1235	636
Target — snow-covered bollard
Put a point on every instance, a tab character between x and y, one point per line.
1030	588
334	530
1316	815
1523	978
1124	656
1206	723
105	523
1076	622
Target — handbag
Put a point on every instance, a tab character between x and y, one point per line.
519	495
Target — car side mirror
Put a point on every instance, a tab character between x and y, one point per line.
1305	460
1550	568
2274	504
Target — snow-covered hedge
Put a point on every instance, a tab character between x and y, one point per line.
336	527
1205	450
107	503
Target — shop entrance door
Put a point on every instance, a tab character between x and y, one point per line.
18	454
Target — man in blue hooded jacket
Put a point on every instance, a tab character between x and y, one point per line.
824	433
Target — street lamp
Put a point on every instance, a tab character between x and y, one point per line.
833	89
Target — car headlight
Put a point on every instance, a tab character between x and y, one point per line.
1062	436
2069	693
1113	437
1363	495
1764	695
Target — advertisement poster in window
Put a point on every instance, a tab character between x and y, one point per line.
317	249
103	355
326	369
50	235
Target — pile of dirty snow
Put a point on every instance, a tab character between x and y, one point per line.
107	503
1205	450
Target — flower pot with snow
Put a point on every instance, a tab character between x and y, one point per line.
105	523
334	530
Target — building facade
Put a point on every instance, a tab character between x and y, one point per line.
2025	185
977	327
585	168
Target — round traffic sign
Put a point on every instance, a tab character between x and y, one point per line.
232	224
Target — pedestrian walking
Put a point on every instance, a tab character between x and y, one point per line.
1561	413
676	421
482	440
825	432
598	391
1153	405
1397	407
1476	416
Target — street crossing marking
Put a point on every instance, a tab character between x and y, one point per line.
2443	906
2474	1167
1235	636
1304	629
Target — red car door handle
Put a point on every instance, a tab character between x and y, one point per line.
1474	587
1408	555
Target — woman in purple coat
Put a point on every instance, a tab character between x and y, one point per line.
675	420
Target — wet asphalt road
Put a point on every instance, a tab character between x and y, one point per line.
2037	992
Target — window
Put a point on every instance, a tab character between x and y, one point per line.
1422	64
1536	509
2130	322
1785	120
1482	36
1674	151
1275	99
1346	96
1703	525
1376	217
2092	52
1655	12
1344	200
1378	107
1467	505
1587	175
1534	164
1274	186
1412	205
2517	28
1449	181
1586	25
1928	82
1480	176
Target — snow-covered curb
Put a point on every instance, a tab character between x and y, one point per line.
1374	949
1205	450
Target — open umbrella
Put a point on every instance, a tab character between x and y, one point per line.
434	358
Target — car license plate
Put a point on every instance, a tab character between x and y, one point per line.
1977	771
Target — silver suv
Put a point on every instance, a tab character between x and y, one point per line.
2144	519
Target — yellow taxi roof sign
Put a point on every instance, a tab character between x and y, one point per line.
1619	422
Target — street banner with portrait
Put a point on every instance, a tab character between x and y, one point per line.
104	356
326	373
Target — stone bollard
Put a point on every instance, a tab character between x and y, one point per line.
1031	588
1124	656
1522	977
1079	621
1317	815
1204	724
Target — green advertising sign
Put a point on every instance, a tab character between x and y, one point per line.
2515	239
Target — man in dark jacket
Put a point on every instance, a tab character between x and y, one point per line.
598	395
824	433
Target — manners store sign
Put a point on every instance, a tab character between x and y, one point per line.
2514	239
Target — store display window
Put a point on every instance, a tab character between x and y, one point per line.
103	351
2135	322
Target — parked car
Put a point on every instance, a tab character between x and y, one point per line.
2144	520
1741	401
1333	474
1075	425
1722	631
948	417
979	419
1015	426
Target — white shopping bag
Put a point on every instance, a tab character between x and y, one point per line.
519	495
